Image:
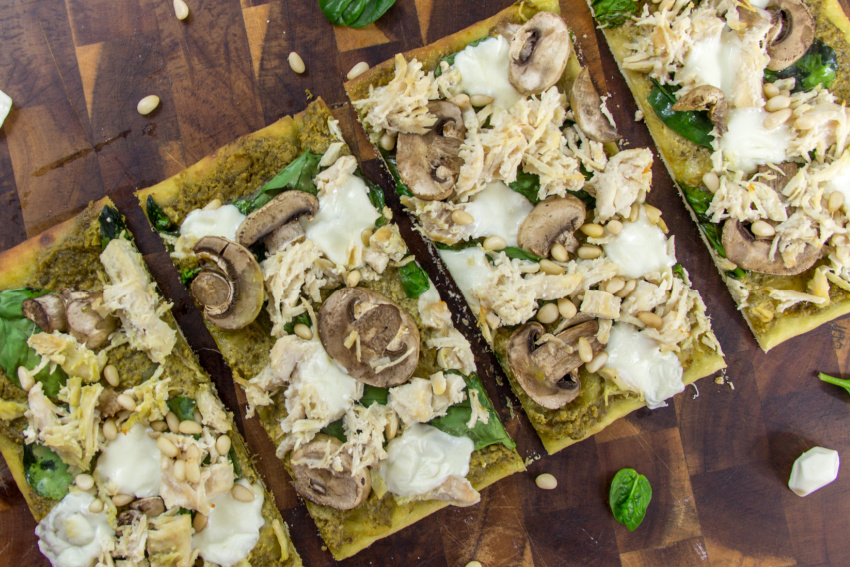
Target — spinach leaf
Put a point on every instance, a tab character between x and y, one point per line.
372	394
160	221
679	271
629	497
586	198
376	197
183	407
712	234
515	252
414	280
297	175
15	329
819	66
699	200
450	59
390	160
354	13
111	225
613	13
234	460
46	472
303	318
691	124
463	244
840	382
527	185
244	206
188	274
336	430
454	422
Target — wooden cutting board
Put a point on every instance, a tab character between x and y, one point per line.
718	457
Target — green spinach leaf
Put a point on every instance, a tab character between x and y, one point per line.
376	197
414	280
699	200
613	13
586	198
303	318
819	66
234	460
840	382
463	244
46	472
629	497
521	254
183	407
372	394
679	271
691	124
527	185
354	13
297	175
160	221
392	165
111	225
336	430
188	274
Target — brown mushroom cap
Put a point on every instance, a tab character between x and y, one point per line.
792	35
152	506
47	312
213	291
587	107
538	53
386	334
546	372
282	210
746	251
429	163
552	220
326	487
712	99
243	274
85	323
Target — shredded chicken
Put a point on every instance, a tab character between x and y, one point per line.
170	540
479	412
416	402
211	409
788	298
626	178
287	272
601	304
131	540
455	490
454	350
217	477
74	358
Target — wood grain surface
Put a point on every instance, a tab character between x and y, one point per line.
718	458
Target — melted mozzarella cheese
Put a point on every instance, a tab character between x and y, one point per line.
72	536
639	249
131	464
642	366
322	381
469	268
748	144
343	215
714	61
422	459
484	70
5	106
223	221
498	210
233	528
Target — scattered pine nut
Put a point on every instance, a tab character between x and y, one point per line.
598	362
388	141
495	243
199	522
110	430
711	181
567	308
551	268
84	481
585	351
461	217
179	471
357	70
193	471
588	252
480	100
650	319
122	499
546	481
296	63
615	284
835	202
181	9
96	506
765	229
190	427
559	252
548	313
241	493
126	402
592	229
353	278
173	422
615	227
776	119
147	104
26	381
223	445
302	331
167	448
777	102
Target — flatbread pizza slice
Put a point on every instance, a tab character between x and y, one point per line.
113	432
746	103
503	152
343	347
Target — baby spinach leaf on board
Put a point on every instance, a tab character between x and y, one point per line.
183	407
336	430
354	13
390	160
111	225
414	280
613	13
46	472
297	175
691	124
160	221
819	66
527	185
629	497
840	382
15	330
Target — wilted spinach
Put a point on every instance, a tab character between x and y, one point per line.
613	13
414	280
159	220
629	497
111	225
46	472
691	124
297	175
188	274
390	160
521	254
303	318
527	185
376	197
183	407
819	66
354	13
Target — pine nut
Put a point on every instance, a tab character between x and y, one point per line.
26	381
495	243
438	383
213	205
193	453
366	235
159	425
806	122
835	202
777	102
154	434
461	100
473	564
592	229
461	217
763	229
147	105
110	430
650	319
190	427
546	481
551	268
181	10
96	506
770	90
663	226
388	141
801	109
110	374
353	278
179	471
652	214
126	402
559	252
598	362
585	351
711	181
223	445
173	422
167	448
357	70
630	286
241	493
193	471
302	331
615	284
199	522
391	429
480	100
296	63
588	252
567	308
615	227
777	119
634	213
548	313
122	415
122	499
84	481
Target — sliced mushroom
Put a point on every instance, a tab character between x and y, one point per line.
237	267
429	163
551	221
276	222
742	248
47	311
338	489
152	506
88	321
371	336
129	517
712	99
108	404
538	53
792	34
587	107
547	371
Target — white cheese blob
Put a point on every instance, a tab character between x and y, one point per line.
5	106
484	70
813	470
469	268
714	61
422	459
639	249
233	528
748	144
131	464
222	221
72	536
759	3
329	389
841	183
498	210
642	366
344	213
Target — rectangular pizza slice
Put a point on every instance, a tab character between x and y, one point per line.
503	152
745	101
113	432
340	341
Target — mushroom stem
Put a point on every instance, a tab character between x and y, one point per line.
712	99
47	311
587	107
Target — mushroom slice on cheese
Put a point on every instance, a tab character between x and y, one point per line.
746	251
552	221
317	480
792	34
